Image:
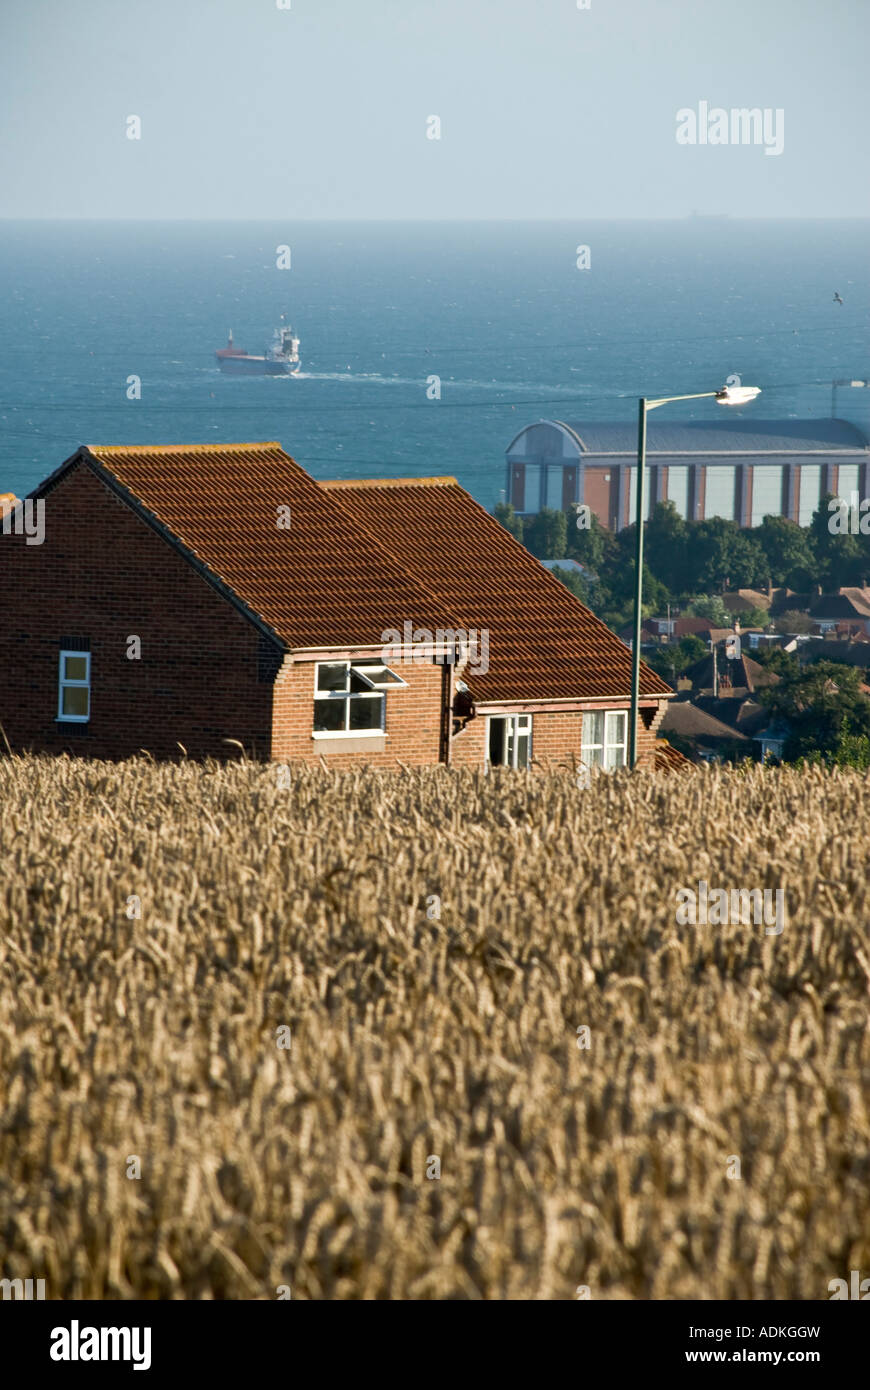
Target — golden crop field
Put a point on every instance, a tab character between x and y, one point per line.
433	941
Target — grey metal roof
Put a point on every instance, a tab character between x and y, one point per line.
720	437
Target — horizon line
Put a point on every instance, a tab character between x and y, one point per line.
507	221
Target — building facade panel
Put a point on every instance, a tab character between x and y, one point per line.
766	492
678	488
809	491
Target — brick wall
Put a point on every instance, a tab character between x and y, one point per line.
102	574
469	745
556	737
412	720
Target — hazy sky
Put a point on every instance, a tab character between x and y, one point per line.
320	110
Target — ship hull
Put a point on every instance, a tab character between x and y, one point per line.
256	366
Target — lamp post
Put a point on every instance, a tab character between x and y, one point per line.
727	395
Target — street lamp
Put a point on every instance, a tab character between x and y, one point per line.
727	395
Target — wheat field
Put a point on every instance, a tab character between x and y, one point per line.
432	941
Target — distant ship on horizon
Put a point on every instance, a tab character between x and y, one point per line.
281	358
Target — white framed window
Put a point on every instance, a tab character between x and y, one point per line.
604	738
74	687
719	491
532	495
349	697
509	741
766	492
553	487
809	491
678	487
632	494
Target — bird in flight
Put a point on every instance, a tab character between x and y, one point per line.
837	299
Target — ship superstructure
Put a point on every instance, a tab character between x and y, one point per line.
280	358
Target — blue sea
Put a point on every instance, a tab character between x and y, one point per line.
499	311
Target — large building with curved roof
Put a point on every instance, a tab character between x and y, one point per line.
741	469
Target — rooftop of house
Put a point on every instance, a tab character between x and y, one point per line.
847	602
740	673
850	653
681	627
669	759
573	566
690	721
850	601
362	557
541	637
743	600
747	715
222	503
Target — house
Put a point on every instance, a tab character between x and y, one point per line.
771	740
701	736
747	600
849	605
854	651
726	692
729	678
764	641
664	632
187	595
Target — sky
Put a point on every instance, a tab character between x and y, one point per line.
322	110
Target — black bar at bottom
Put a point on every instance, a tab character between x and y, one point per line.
58	1340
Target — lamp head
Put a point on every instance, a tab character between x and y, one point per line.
737	395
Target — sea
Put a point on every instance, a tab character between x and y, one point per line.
425	346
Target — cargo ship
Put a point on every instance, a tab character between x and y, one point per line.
281	358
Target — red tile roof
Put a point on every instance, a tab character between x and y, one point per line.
668	758
544	644
360	558
320	583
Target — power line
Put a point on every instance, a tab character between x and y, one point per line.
321	409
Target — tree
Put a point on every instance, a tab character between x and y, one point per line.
504	513
753	617
589	544
839	559
578	586
710	606
665	542
546	534
792	620
671	661
620	582
824	708
787	549
720	554
776	659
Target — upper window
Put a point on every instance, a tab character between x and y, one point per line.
74	687
349	696
604	737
